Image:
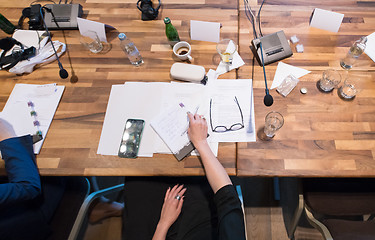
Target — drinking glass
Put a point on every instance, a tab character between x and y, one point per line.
273	122
348	89
226	48
91	41
330	79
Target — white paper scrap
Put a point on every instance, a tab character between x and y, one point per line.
204	31
283	70
326	20
85	25
370	46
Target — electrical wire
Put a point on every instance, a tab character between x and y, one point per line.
250	16
42	1
260	29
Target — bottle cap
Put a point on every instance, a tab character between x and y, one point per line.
167	20
122	36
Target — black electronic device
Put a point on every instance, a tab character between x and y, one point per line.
62	16
147	9
275	48
131	138
33	14
9	61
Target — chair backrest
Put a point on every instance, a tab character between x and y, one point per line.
76	191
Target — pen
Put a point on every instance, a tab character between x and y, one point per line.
196	110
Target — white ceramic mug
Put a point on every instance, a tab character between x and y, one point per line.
182	50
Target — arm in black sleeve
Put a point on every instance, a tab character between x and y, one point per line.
230	215
23	176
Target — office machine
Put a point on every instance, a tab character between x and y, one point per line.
275	48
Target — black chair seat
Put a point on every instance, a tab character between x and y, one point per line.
350	230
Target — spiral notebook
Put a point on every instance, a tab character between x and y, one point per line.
171	126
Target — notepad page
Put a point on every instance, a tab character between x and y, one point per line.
171	126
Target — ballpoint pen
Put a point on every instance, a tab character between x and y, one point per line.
187	127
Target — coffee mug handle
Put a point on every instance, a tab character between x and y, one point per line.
189	57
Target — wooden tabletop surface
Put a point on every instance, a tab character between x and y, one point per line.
72	140
322	134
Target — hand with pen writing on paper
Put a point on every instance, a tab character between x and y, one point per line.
197	129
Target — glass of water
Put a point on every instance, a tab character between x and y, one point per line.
91	41
330	79
273	122
348	89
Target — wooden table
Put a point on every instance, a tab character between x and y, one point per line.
72	141
322	135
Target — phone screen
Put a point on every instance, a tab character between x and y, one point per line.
131	138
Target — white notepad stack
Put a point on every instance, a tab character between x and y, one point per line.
171	126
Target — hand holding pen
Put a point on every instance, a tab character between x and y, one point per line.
187	127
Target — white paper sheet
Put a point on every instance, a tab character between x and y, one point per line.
85	25
283	70
193	95
205	31
45	98
225	111
131	100
370	46
20	119
326	20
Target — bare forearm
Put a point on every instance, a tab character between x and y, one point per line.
215	172
161	232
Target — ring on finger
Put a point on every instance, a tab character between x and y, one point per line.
178	197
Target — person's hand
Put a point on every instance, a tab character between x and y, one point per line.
6	130
174	198
197	129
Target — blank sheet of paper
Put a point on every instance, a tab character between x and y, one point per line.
204	31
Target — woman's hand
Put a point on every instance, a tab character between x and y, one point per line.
197	129
173	200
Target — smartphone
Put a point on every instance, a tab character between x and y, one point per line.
131	138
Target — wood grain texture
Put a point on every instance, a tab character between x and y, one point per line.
322	135
71	144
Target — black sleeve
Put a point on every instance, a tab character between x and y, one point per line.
230	215
23	176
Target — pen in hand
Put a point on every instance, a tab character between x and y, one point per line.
187	127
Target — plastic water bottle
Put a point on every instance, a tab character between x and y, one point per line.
131	50
354	52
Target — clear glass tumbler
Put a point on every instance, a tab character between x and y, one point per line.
330	79
226	48
273	122
348	89
91	41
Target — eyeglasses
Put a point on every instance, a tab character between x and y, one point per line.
234	127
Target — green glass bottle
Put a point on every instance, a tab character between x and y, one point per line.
6	26
171	32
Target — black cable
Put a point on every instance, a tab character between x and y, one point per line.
260	30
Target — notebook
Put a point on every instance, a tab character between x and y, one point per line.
171	125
